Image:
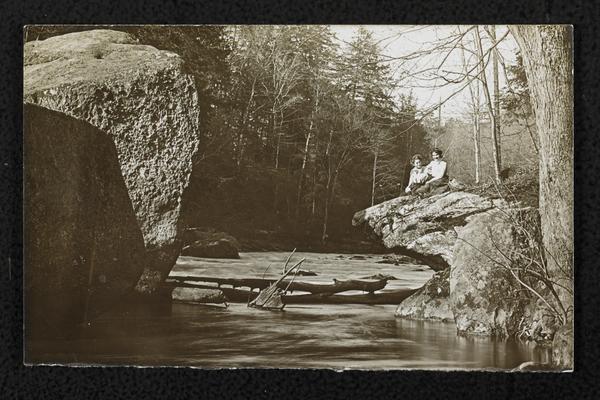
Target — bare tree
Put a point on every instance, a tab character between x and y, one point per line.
490	106
474	91
497	119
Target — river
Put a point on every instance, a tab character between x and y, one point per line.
302	336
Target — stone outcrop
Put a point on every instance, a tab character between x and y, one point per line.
142	99
82	244
431	302
479	239
423	228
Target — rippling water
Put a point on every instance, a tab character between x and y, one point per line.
302	336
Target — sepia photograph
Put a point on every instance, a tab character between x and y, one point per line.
346	197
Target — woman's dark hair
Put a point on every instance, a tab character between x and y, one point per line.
438	151
416	157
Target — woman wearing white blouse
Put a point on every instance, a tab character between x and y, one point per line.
418	174
437	171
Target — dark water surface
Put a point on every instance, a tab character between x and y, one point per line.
302	336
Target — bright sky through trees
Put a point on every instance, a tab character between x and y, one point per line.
413	50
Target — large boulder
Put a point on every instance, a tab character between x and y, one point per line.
491	251
423	228
143	100
219	248
83	247
486	298
207	242
198	295
431	302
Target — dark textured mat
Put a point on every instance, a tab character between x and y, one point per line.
17	381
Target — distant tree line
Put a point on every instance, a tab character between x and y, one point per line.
303	132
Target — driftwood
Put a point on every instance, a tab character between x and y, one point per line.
391	297
275	294
253	283
271	297
243	296
315	288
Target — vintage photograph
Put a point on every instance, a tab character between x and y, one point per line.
372	197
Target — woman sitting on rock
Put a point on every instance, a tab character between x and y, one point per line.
418	175
437	171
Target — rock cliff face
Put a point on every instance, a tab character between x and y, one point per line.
82	244
141	98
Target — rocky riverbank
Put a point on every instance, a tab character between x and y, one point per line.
480	247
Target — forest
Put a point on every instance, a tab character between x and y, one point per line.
300	129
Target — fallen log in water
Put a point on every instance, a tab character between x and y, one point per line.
253	283
314	288
392	297
271	298
244	296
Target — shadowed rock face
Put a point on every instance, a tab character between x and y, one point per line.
141	98
82	244
423	228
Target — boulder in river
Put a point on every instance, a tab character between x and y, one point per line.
146	104
486	298
430	302
482	240
220	248
210	244
83	247
198	295
396	259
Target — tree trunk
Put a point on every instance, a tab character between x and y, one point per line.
490	107
328	200
497	139
327	188
243	128
305	157
301	179
373	178
275	133
477	140
326	212
547	55
476	103
315	173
